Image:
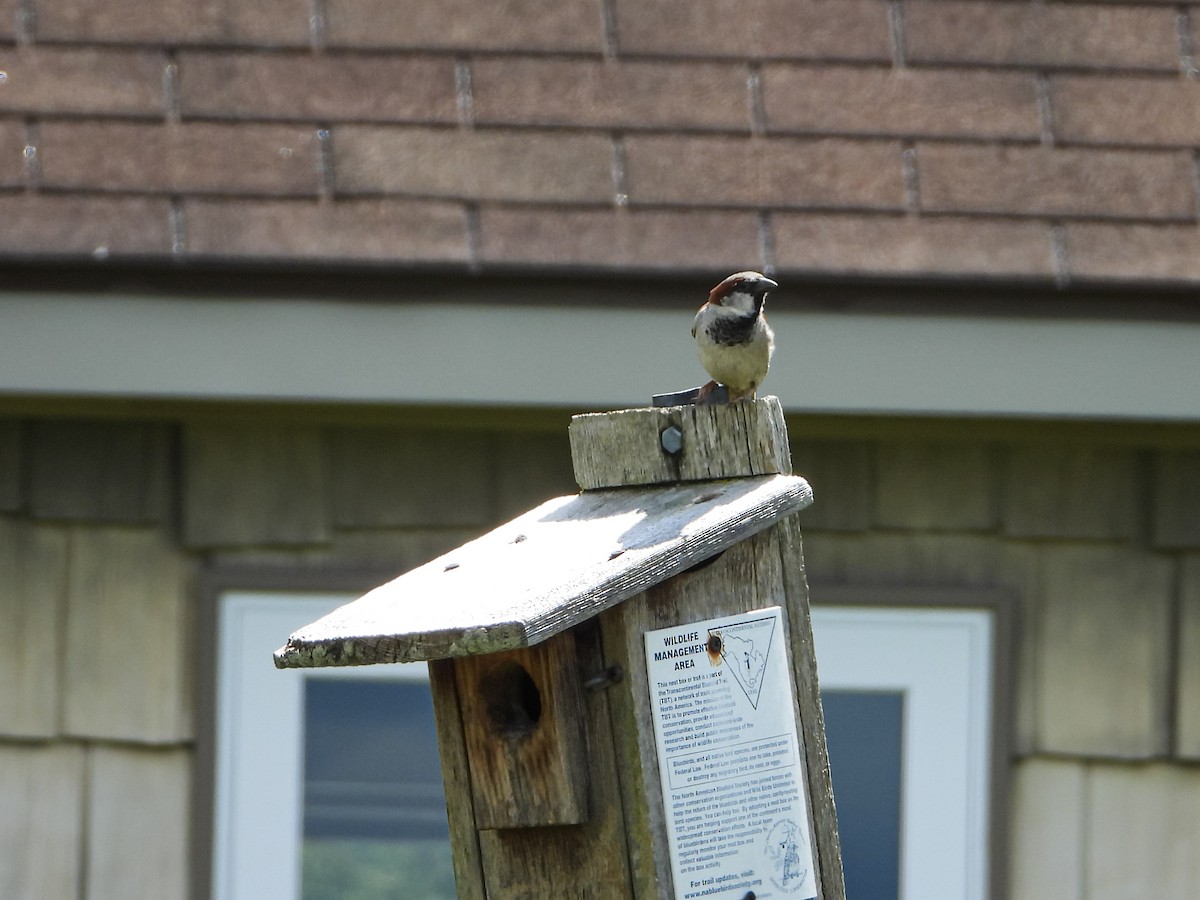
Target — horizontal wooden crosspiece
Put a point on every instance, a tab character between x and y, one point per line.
626	447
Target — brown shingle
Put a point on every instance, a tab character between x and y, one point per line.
12	152
317	87
1059	182
1043	35
44	79
8	19
565	25
1126	110
53	224
347	229
903	245
1152	252
764	171
787	29
909	102
620	238
485	164
200	157
611	93
271	23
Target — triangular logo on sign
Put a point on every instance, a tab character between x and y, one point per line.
745	647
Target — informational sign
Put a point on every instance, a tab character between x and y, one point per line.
730	759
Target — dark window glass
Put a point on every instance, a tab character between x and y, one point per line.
374	810
864	732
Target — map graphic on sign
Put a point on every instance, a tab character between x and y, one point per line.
744	648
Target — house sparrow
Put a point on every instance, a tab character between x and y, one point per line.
733	336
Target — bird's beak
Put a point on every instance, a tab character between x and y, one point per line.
768	284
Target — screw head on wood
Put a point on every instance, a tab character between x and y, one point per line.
672	439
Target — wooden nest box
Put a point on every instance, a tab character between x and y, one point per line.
623	679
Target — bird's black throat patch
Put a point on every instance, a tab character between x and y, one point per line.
729	330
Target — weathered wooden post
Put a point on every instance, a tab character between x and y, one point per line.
624	680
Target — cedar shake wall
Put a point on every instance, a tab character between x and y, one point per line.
1048	141
104	526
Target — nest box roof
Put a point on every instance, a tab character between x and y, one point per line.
553	567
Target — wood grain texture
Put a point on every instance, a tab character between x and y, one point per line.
715	590
33	592
1104	632
589	860
1143	824
827	852
11	495
138	809
1187	676
584	862
1176	498
254	485
843	471
41	821
633	738
1052	490
935	484
522	713
541	573
125	674
99	471
733	440
1048	829
456	779
383	477
622	448
718	441
530	468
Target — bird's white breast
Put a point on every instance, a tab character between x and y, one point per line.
740	367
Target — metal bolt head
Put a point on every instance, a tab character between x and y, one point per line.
672	439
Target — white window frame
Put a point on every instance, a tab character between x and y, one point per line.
941	660
259	746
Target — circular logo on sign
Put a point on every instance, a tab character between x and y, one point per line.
783	849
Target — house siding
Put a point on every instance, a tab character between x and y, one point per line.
1077	530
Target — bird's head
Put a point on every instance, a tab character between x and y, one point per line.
742	291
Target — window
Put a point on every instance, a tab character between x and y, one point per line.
327	781
908	699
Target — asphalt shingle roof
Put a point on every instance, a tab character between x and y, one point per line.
988	139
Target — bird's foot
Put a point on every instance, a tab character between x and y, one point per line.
711	393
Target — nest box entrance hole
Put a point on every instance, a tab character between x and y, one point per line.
512	700
523	714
